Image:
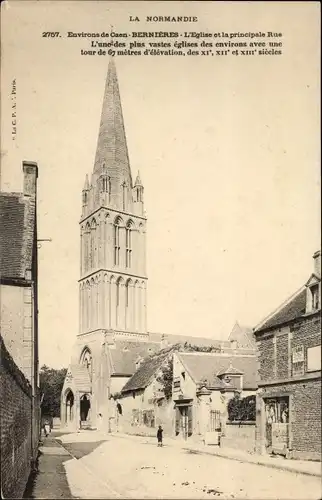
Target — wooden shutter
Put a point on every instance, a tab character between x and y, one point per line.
177	423
189	420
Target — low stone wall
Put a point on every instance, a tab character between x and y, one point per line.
16	424
240	436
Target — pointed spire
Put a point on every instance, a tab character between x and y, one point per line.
138	181
111	145
86	185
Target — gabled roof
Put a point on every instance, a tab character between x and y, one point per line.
230	370
80	377
147	371
202	366
17	231
243	335
290	310
125	353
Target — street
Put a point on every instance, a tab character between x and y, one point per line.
136	468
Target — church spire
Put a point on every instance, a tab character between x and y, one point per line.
111	148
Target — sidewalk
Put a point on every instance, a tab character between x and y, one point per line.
60	475
49	480
294	466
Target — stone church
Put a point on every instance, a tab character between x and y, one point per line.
113	337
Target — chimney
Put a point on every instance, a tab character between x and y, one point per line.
317	263
30	170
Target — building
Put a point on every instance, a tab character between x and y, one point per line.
186	384
20	409
289	395
113	278
203	384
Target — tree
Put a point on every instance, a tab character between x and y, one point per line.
242	409
51	384
166	377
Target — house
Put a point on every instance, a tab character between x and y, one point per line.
289	393
203	384
144	402
19	393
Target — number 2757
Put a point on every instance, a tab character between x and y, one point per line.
52	34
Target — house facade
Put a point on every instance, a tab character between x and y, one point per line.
203	384
289	394
19	383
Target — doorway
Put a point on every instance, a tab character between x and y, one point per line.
69	407
184	421
277	424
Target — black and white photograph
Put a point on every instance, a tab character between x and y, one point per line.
160	250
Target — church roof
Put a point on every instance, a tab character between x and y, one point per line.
17	229
111	145
204	366
182	339
125	353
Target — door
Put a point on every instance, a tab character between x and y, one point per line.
277	424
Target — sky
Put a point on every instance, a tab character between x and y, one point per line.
228	151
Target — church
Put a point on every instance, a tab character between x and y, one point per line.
113	338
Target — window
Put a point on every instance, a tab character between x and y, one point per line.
183	375
314	358
315	298
128	243
116	243
298	360
124	195
87	362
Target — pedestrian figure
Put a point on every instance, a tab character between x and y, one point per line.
47	428
159	435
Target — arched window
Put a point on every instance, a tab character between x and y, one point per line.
117	242
128	245
86	360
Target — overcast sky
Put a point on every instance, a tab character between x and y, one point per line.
228	151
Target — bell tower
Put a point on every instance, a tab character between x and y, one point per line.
113	281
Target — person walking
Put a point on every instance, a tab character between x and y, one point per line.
159	435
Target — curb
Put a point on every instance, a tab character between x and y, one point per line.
222	455
255	462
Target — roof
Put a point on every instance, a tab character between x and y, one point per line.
231	370
172	339
205	367
17	228
292	309
111	144
243	335
146	372
80	377
125	353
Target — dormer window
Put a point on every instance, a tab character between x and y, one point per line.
315	298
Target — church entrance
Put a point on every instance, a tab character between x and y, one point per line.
85	406
69	407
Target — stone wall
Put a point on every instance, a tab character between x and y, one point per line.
19	438
240	436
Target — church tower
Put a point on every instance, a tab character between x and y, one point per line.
113	281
